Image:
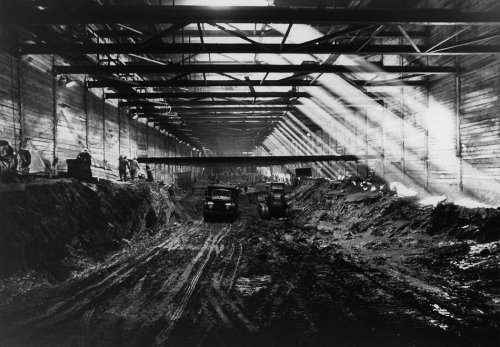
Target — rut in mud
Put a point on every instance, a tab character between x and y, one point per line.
271	283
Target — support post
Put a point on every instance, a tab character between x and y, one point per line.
403	163
119	131
458	142
382	143
87	123
22	120
426	138
104	130
54	114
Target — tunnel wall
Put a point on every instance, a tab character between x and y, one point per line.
60	120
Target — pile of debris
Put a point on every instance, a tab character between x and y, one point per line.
345	209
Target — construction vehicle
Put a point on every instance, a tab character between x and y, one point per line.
274	204
221	201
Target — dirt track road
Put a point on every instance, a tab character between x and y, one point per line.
240	284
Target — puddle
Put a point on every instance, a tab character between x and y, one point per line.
249	286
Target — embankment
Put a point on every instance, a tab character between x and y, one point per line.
41	224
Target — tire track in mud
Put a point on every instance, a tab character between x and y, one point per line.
185	287
113	275
84	328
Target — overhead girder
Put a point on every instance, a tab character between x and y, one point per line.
104	33
15	13
245	83
243	48
169	116
202	103
228	109
261	68
258	161
215	121
205	95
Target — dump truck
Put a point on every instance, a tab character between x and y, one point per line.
221	201
274	204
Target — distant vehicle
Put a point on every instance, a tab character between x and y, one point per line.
274	203
303	172
221	201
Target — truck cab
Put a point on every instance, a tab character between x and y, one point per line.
221	201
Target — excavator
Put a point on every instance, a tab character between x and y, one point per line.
274	204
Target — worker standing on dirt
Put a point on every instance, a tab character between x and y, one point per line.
149	174
134	168
123	165
84	161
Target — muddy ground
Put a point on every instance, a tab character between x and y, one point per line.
352	267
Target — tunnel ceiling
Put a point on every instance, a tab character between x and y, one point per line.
223	78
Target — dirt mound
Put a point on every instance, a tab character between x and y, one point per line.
346	209
53	218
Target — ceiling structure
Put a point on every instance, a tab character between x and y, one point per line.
223	78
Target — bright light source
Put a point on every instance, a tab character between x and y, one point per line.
135	116
227	3
70	83
401	190
472	204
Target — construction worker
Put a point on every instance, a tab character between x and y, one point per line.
84	161
123	165
149	174
134	168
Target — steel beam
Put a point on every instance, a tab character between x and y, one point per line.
145	108
248	33
164	116
16	13
254	118
258	161
227	109
231	48
234	83
204	95
176	69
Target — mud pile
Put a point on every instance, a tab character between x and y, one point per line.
53	219
345	210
